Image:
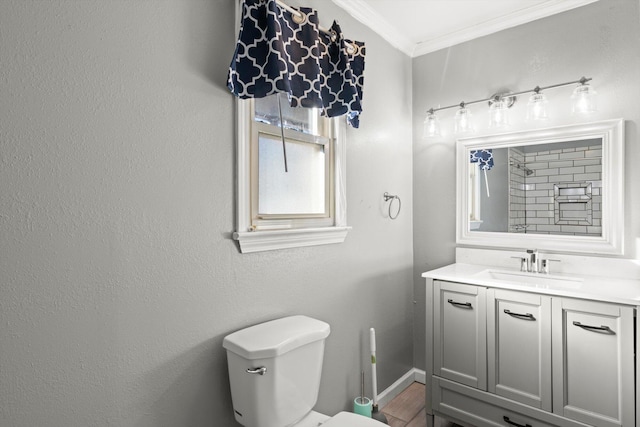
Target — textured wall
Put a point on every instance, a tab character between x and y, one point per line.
599	40
118	276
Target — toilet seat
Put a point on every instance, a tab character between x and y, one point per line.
349	419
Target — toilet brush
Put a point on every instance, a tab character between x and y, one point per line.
362	388
375	414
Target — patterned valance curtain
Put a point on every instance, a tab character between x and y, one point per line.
279	51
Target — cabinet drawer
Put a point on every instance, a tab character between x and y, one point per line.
482	409
460	347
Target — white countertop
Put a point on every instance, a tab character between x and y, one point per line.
615	290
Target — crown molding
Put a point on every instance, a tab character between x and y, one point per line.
498	24
361	11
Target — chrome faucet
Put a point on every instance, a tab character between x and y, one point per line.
533	263
532	260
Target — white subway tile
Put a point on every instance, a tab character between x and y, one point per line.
575	169
573	155
537	179
540	158
586	162
562	164
561	178
542	172
546	200
586	176
594	168
574	228
595	230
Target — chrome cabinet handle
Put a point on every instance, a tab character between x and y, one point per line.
508	421
459	304
259	371
527	316
602	328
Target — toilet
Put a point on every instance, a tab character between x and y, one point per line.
274	371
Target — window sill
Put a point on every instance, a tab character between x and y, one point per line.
475	224
258	241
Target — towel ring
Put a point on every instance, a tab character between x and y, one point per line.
391	197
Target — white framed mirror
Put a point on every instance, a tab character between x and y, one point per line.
557	189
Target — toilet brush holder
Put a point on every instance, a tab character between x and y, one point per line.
362	406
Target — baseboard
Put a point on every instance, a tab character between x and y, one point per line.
413	375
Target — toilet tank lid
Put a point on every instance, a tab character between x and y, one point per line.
276	337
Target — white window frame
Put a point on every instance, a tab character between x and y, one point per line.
285	221
281	235
475	220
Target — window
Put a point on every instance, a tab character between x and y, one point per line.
290	193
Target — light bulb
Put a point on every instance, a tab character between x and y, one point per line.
583	99
499	113
431	125
537	106
463	121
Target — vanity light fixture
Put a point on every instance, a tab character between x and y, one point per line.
537	106
583	98
499	111
431	126
463	120
583	101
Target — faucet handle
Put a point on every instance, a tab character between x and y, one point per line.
523	262
544	265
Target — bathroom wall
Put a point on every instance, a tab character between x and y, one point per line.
118	275
599	40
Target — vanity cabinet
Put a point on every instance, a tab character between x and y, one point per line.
512	358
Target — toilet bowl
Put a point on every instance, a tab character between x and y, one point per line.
274	373
349	419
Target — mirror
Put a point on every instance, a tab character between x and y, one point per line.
556	189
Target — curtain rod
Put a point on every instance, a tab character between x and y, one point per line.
497	97
299	14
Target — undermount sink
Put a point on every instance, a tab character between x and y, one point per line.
531	279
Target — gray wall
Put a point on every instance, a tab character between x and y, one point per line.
599	40
118	276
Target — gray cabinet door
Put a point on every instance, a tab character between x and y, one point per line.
519	346
593	372
460	346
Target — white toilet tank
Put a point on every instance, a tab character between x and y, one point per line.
275	369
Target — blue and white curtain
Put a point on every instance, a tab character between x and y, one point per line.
278	51
484	158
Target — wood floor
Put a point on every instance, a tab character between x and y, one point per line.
407	408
